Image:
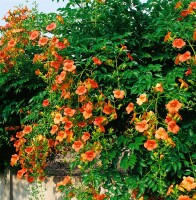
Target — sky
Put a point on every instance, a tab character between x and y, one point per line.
45	6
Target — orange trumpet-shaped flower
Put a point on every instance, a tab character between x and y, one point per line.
43	41
99	120
188	72
167	37
60	78
12	43
119	94
17	143
37	72
170	189
86	136
173	127
150	145
34	35
61	136
86	114
184	57
130	108
65	181
30	179
183	83
81	90
51	143
54	129
55	64
142	99
99	196
60	18
64	120
65	94
158	87
27	129
21	172
173	106
39	58
87	110
161	134
194	35
89	155
82	124
184	197
20	134
57	118
2	54
51	26
177	61
69	135
68	125
130	56
69	112
178	43
29	150
96	61
192	5
60	45
178	5
69	65
186	12
108	109
91	83
77	145
45	103
188	183
141	126
14	159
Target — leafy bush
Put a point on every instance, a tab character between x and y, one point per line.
110	88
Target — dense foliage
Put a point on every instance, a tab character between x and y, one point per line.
110	87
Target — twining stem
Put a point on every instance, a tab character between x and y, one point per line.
192	47
192	164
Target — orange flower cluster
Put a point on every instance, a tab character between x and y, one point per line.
173	107
147	123
186	57
187	184
68	125
13	33
29	154
80	112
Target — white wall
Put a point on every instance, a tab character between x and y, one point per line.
13	189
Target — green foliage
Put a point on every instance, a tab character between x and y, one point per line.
121	45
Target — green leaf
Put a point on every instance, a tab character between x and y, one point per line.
132	160
124	163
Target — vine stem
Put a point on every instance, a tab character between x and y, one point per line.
192	164
192	47
116	63
156	107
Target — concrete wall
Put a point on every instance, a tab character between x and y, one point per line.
13	189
